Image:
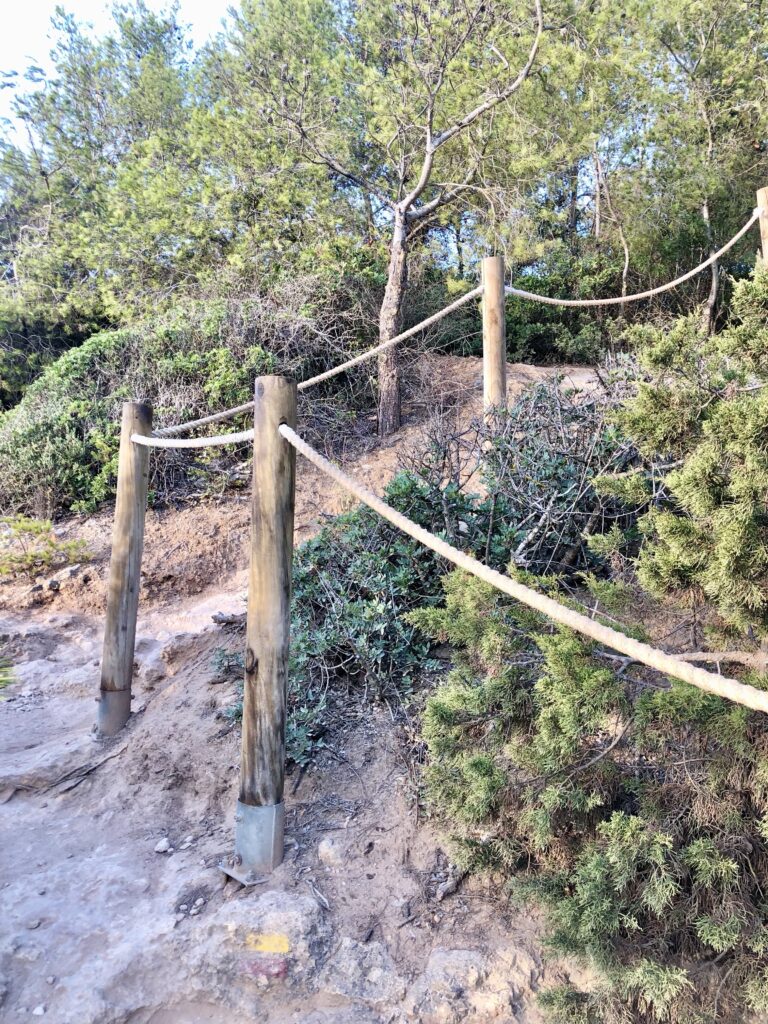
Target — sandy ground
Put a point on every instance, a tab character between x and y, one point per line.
99	927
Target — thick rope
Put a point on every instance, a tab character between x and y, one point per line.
435	318
618	300
722	686
179	428
328	374
153	441
475	293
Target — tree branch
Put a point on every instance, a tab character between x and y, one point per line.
434	143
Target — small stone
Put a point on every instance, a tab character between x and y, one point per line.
184	908
38	1011
51	979
163	845
179	918
194	912
200	902
34	923
330	853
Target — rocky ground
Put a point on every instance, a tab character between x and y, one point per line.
112	902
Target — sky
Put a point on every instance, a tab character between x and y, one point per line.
25	32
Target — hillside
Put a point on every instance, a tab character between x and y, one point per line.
353	926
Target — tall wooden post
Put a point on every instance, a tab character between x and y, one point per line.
124	572
762	205
260	813
494	335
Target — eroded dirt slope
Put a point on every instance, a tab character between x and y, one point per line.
112	903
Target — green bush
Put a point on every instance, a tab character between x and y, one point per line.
636	818
29	547
352	585
58	446
700	421
539	333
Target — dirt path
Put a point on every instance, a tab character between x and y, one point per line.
99	927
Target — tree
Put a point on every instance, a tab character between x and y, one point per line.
396	101
105	138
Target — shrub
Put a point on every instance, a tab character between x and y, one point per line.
352	583
543	334
700	421
58	446
635	816
29	547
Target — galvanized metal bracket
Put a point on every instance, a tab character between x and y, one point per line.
114	711
259	841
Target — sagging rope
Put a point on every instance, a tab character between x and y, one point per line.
153	441
327	374
150	441
619	300
722	686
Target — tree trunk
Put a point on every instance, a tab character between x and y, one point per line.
708	318
573	204
391	324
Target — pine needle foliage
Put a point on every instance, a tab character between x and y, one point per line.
700	420
637	816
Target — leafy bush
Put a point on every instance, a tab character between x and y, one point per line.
58	446
542	334
29	546
700	421
352	584
637	817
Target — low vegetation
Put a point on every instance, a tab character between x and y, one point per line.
29	547
58	446
632	809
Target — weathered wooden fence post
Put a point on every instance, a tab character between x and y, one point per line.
260	813
762	205
494	335
124	572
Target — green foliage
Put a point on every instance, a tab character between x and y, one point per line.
705	406
636	818
30	546
539	333
352	584
565	1005
58	446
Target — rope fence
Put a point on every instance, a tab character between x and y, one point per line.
722	686
260	811
327	374
548	300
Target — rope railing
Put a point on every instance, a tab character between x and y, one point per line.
225	414
260	812
153	441
721	686
326	375
548	300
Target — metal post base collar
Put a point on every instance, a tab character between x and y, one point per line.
114	711
258	842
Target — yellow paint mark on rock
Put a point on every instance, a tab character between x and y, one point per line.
268	942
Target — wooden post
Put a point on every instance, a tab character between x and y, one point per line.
494	335
762	205
260	811
124	571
